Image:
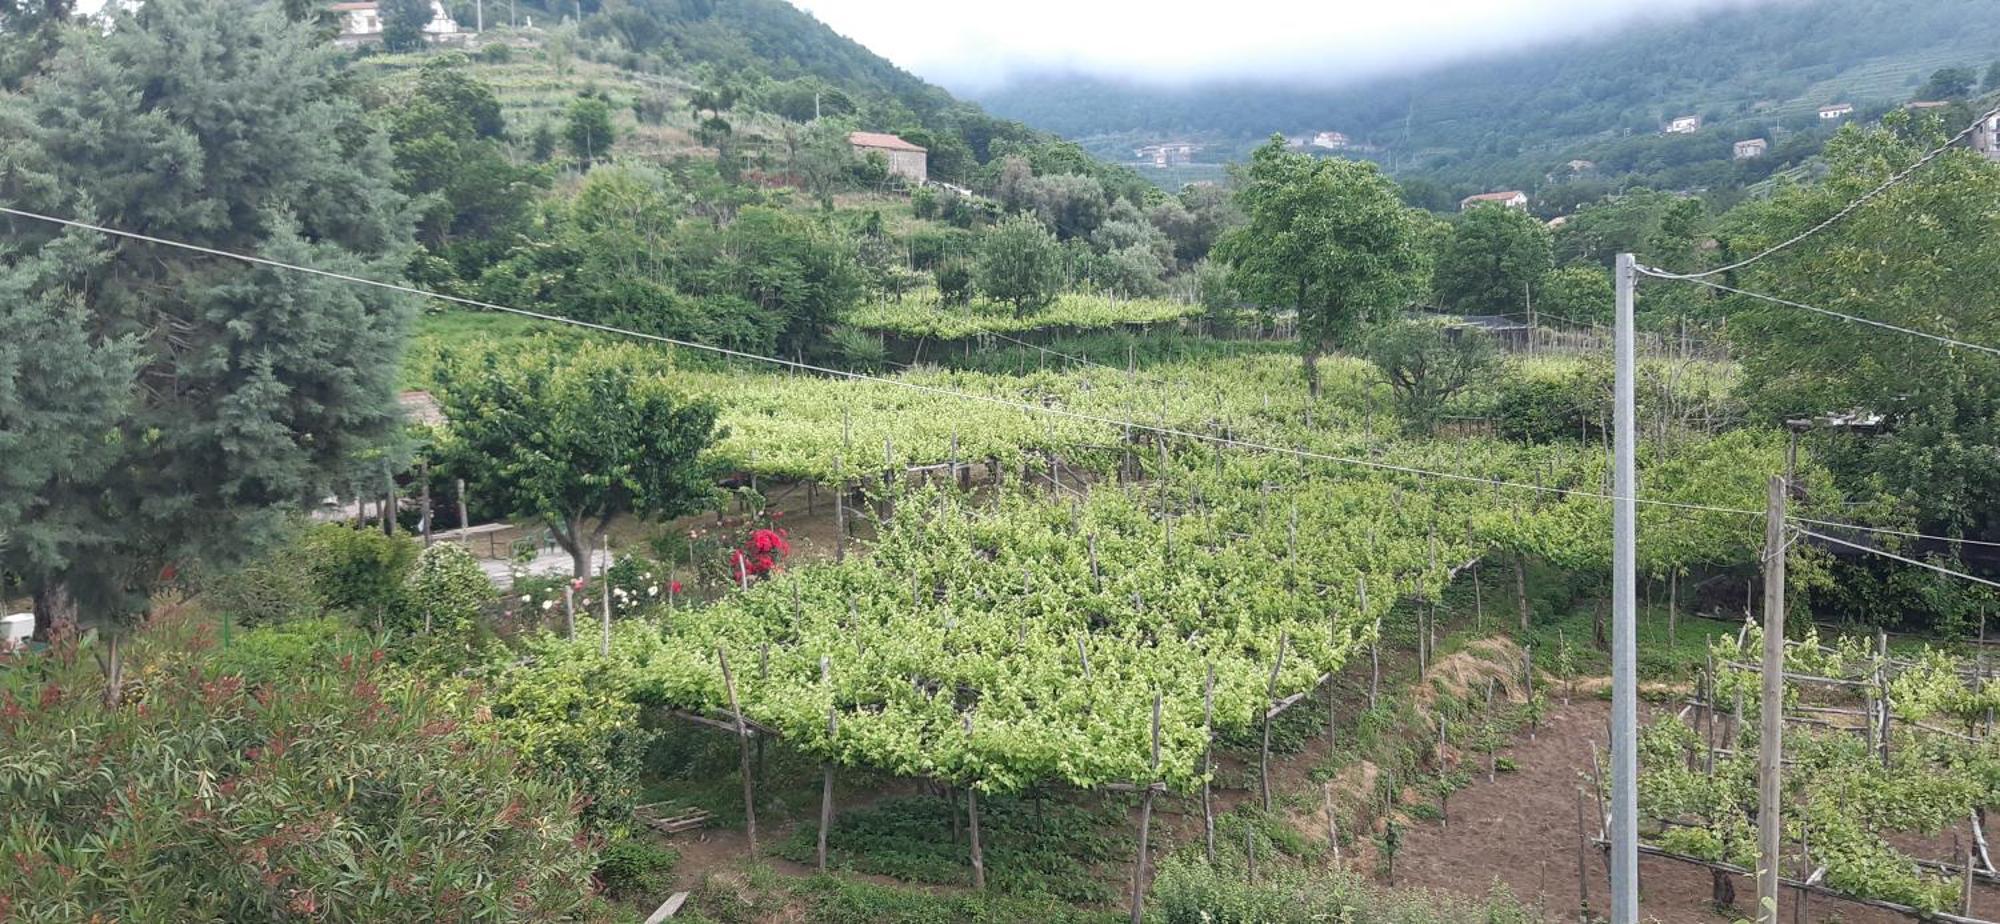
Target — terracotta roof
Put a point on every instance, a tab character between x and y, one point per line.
420	407
881	140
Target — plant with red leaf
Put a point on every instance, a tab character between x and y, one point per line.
760	554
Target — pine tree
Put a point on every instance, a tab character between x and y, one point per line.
218	123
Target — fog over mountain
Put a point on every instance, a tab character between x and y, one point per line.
971	47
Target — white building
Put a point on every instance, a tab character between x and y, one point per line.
1512	198
361	24
1986	137
1835	111
1751	148
1332	141
1684	125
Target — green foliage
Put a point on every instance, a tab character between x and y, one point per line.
1939	404
223	800
403	24
1577	294
954	282
1539	403
634	868
1019	264
587	129
1495	256
1948	83
277	653
576	722
859	350
360	571
277	587
436	622
1049	848
1327	239
1427	364
576	439
836	900
450	159
280	383
1188	891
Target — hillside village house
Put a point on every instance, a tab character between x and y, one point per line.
1332	141
1512	198
1172	153
1836	111
1986	137
1752	148
1684	125
361	24
905	159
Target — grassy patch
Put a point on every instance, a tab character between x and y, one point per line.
1049	850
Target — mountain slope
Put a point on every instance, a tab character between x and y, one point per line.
1760	70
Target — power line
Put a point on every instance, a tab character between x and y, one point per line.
1940	338
933	389
1846	210
1906	560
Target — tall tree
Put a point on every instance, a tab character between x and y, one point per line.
1019	263
30	33
1916	257
1494	257
1426	365
577	437
588	129
403	23
821	158
218	123
1329	239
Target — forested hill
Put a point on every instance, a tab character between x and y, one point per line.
1760	70
790	61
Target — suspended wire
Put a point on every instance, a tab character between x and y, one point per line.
1904	559
1848	209
1940	338
933	389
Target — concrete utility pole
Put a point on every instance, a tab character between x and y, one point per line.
1771	743
1624	857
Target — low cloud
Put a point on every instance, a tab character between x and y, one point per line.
968	46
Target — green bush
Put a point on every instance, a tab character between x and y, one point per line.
272	653
342	794
632	868
1189	891
359	571
575	720
275	588
1544	403
437	620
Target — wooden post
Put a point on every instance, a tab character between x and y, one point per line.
1582	864
742	751
569	610
1770	745
424	475
1673	606
604	641
463	521
1375	646
1208	761
1882	690
1521	587
972	819
888	503
1270	693
1146	823
826	769
1332	823
1478	602
839	513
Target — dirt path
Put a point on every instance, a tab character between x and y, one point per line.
1522	830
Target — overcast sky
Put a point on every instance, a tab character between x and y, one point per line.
966	45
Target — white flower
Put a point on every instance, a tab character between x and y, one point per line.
548	605
527	598
653	591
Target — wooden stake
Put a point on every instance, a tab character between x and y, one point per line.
463	522
604	576
972	820
1146	824
826	769
1208	761
742	752
424	475
1270	694
569	611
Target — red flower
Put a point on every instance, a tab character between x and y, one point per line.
674	586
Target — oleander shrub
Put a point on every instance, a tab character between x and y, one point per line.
349	793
